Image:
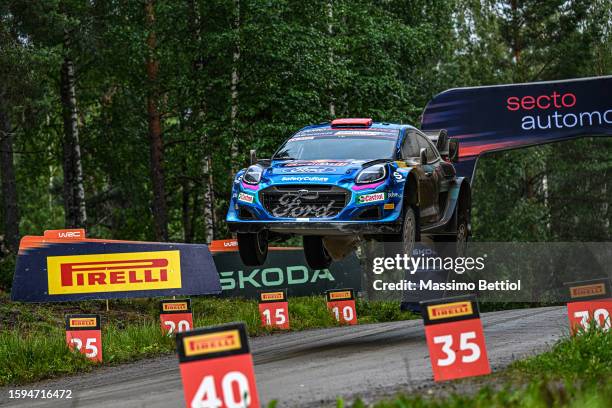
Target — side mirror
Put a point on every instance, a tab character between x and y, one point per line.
423	155
453	150
253	156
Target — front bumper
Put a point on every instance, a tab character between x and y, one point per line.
318	228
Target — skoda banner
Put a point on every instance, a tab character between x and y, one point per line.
284	268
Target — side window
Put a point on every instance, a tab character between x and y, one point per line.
432	152
410	147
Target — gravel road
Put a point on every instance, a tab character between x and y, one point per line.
312	368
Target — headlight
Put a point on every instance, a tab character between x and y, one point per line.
253	175
371	174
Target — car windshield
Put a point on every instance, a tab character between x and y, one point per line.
339	144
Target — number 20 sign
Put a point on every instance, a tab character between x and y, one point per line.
341	302
217	368
175	316
590	303
274	309
83	335
455	338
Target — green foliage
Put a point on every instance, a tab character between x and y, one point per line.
575	373
289	63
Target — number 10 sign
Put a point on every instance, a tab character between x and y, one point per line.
455	338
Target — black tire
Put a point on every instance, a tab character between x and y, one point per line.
315	252
253	247
403	243
454	245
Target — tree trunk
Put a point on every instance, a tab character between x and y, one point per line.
330	32
234	90
160	212
74	192
10	208
208	209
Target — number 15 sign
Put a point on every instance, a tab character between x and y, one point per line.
455	338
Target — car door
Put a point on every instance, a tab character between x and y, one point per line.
433	174
410	151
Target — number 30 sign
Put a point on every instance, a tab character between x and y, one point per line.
455	338
590	303
217	367
83	335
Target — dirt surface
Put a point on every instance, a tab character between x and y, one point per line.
313	368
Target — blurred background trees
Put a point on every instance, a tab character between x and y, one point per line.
129	118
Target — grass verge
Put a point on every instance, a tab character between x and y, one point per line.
32	336
577	372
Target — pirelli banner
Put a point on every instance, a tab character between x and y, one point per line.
65	266
284	268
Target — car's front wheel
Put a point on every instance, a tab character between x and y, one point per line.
409	231
253	247
316	255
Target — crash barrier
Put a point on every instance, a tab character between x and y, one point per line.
455	338
590	303
84	335
493	118
341	303
274	309
175	316
285	267
63	265
216	367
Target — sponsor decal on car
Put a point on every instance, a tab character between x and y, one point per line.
337	163
398	176
119	272
371	198
305	178
310	170
246	198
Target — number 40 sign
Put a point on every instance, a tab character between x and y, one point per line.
455	338
217	368
83	335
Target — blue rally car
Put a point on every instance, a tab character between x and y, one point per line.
339	183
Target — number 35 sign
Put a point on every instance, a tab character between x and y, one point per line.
455	338
590	303
217	367
83	335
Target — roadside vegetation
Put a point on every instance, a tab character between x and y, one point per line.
32	336
577	372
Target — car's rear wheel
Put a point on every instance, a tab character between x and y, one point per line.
253	247
315	252
454	245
